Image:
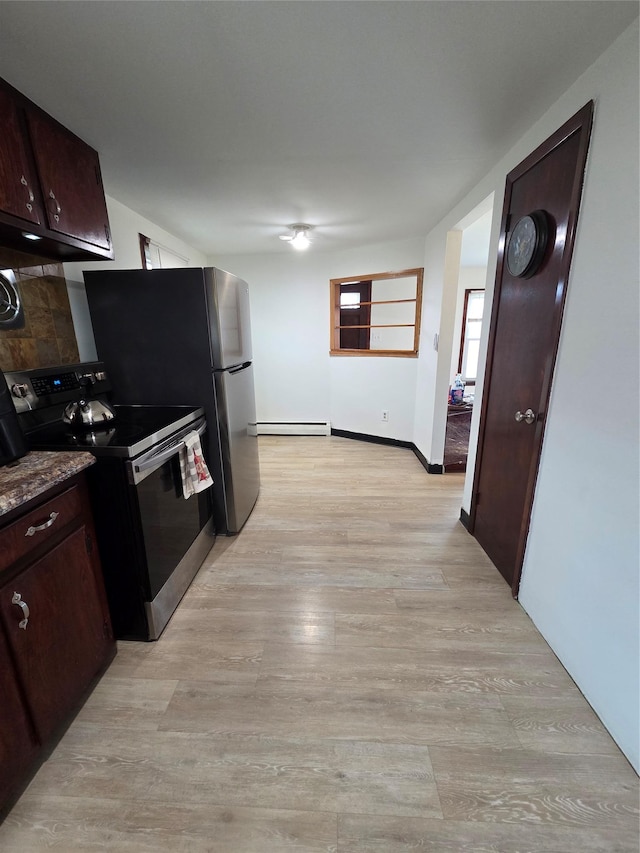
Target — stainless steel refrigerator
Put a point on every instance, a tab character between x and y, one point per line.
183	337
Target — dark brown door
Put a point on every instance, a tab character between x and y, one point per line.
17	743
71	182
356	314
523	341
66	640
17	183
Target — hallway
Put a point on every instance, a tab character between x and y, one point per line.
349	674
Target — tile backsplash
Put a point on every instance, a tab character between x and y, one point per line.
47	337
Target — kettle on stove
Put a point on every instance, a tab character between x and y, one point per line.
87	413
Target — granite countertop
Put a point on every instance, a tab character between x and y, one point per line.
37	472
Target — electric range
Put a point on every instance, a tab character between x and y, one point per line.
151	540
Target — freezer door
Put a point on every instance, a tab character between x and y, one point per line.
229	318
239	443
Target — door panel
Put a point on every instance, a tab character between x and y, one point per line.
17	183
17	743
228	299
523	341
71	182
239	436
66	641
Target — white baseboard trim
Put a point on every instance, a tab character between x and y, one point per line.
294	428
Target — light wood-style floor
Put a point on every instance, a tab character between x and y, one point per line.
348	674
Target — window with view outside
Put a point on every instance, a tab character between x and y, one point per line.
471	329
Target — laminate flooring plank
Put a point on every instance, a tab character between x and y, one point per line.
338	713
279	598
462	604
179	657
380	834
247	771
76	824
432	670
251	626
438	631
520	785
314	572
138	703
558	724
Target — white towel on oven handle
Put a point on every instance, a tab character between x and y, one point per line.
193	469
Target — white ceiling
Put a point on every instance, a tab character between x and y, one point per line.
224	122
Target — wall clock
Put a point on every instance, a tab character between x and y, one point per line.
527	244
11	313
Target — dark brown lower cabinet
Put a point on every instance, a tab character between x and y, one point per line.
55	636
18	746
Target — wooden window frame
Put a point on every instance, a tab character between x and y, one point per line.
335	327
463	334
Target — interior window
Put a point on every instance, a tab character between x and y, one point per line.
155	256
376	314
471	328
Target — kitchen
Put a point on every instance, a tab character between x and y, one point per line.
302	287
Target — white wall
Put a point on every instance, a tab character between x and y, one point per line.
580	576
290	332
126	225
296	379
441	271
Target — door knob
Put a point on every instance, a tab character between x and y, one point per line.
529	416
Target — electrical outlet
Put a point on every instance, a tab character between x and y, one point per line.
385	414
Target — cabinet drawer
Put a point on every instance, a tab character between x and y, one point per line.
38	525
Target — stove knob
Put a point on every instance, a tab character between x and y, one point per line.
20	389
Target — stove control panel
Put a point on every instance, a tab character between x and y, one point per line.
55	383
50	386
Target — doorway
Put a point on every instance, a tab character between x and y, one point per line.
538	226
472	274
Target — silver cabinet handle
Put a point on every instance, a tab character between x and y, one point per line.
25	183
56	215
17	600
35	529
528	417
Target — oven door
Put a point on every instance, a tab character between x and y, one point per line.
177	534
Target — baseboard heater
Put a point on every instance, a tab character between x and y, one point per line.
293	428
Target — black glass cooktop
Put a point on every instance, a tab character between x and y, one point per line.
134	430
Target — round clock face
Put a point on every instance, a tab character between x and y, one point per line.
527	244
11	314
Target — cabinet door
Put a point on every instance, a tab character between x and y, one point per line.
67	637
17	743
71	182
17	194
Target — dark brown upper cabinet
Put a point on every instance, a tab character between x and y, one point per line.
50	186
17	178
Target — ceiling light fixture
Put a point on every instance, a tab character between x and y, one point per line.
299	238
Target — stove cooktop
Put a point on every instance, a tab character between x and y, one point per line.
134	430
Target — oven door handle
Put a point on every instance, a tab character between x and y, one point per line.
143	467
